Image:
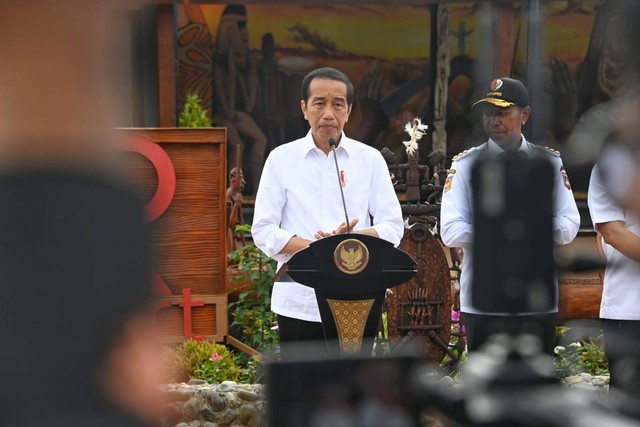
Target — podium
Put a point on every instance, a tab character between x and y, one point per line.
350	274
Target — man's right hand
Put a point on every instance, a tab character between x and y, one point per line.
342	228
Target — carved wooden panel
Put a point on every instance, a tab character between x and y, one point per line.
421	308
195	57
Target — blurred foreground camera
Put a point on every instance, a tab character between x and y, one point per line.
513	267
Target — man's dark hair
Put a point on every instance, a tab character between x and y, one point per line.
327	73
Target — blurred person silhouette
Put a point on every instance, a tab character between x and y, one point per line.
78	344
614	123
505	110
587	107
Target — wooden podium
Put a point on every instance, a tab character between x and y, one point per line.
181	173
350	274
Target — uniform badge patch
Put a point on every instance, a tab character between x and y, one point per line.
565	178
449	181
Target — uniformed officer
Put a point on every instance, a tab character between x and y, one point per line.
505	109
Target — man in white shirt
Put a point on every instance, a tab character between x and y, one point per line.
505	110
620	305
298	199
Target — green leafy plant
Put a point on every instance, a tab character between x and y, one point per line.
582	356
453	364
205	360
253	369
193	115
251	312
381	345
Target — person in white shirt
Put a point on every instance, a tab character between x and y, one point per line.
505	111
620	304
298	199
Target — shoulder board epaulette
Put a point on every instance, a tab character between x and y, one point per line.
547	150
463	154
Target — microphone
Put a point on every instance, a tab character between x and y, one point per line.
332	144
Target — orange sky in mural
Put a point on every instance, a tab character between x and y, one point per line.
566	35
381	31
391	32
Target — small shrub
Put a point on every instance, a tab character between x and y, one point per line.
251	313
193	115
381	345
583	356
253	371
453	365
205	360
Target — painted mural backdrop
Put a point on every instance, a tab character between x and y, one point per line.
247	63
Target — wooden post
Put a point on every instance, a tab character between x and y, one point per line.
503	14
166	65
441	81
535	129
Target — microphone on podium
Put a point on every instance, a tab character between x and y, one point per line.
332	144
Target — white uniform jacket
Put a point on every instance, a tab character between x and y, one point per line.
456	214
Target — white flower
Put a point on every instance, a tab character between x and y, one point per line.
416	131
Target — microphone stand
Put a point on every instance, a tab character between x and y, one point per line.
332	144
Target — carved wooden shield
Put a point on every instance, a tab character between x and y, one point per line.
420	310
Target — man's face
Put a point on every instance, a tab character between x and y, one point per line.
326	109
504	125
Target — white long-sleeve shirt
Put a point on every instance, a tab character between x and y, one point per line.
299	195
621	284
456	216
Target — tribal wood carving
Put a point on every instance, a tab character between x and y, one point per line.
420	310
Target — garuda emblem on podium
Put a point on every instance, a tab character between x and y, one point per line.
351	256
